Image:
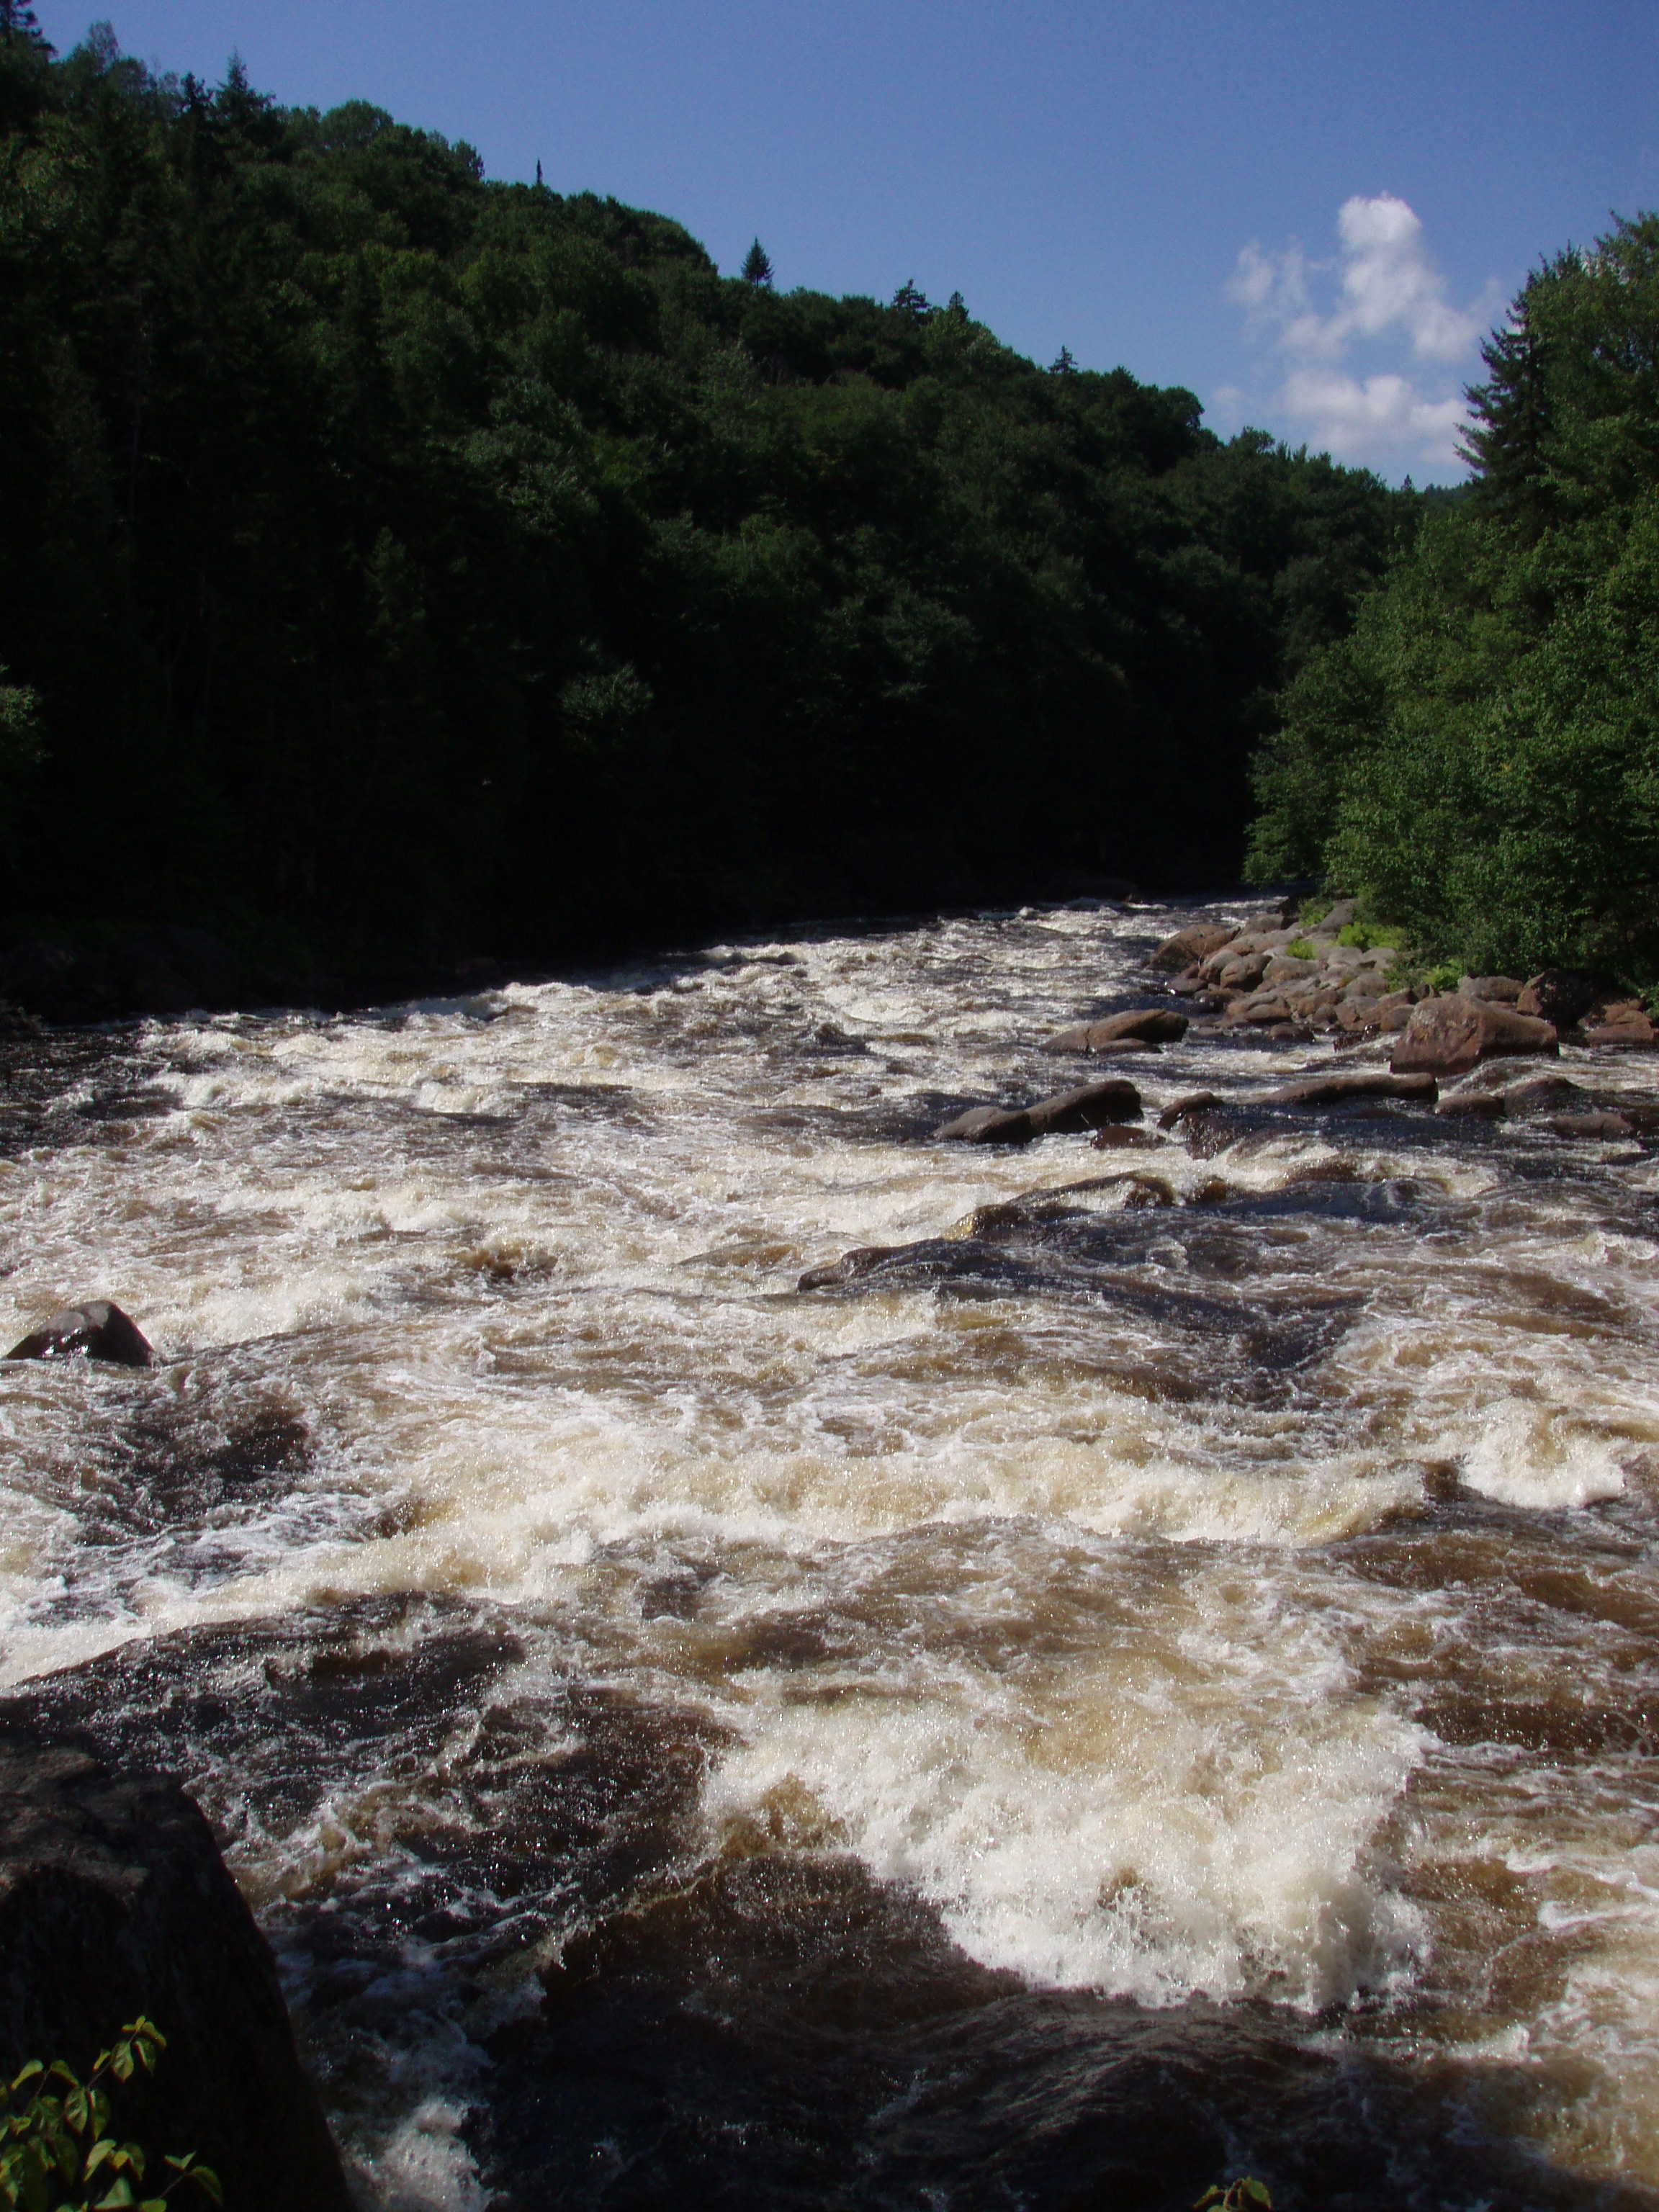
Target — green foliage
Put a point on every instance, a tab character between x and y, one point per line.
58	2152
757	266
1238	2196
1479	756
1299	949
445	565
19	725
1369	936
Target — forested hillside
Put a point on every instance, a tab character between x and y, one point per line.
1479	758
390	559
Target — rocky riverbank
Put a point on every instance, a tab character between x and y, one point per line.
1333	976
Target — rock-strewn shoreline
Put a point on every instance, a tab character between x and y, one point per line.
1293	981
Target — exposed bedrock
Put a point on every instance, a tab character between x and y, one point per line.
114	1902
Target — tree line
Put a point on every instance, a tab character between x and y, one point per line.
1479	757
394	557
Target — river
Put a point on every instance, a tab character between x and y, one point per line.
1158	1683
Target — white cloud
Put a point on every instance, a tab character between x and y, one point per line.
1383	291
1355	414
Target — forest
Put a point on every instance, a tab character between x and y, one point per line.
1479	757
398	566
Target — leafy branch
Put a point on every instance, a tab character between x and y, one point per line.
58	2148
1246	2194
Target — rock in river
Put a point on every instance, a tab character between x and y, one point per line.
1089	1107
97	1330
1333	1090
1191	945
1450	1034
1144	1025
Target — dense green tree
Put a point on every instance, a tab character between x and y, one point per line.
758	265
1481	756
422	561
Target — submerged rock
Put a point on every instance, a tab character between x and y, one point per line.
1450	1034
1603	1125
1089	1107
114	1902
97	1330
1195	1102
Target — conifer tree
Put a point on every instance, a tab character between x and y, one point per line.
757	266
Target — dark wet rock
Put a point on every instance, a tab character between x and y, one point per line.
1561	995
1216	1128
1141	1026
1496	990
1191	945
1449	1035
1117	1137
1291	1032
1090	1106
1603	1125
1490	1093
1540	1092
1077	1039
1335	1090
114	1902
1472	1106
848	1268
1195	1102
97	1330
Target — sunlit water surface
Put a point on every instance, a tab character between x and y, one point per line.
1157	1682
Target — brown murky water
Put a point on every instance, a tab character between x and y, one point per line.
1153	1678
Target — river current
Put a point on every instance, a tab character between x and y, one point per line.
1158	1680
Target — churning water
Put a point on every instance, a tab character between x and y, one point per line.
1153	1679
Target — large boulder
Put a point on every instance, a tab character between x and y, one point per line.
1146	1025
1448	1036
1090	1106
1191	945
114	1902
97	1330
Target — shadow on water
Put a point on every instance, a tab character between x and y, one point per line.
432	1807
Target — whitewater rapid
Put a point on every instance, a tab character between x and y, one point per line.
1256	1611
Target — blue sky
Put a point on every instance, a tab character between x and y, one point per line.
1306	211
